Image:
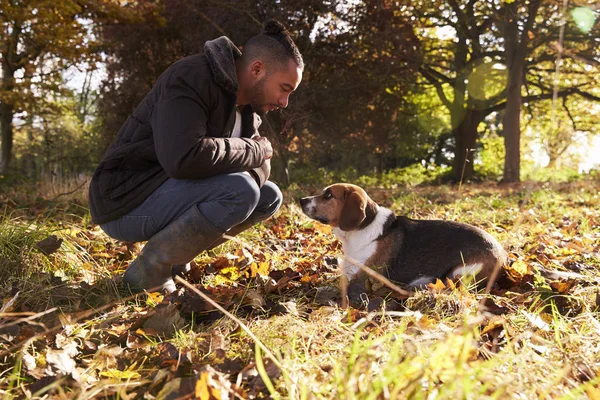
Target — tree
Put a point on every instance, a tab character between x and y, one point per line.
353	54
520	35
40	39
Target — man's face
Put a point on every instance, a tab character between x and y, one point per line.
272	90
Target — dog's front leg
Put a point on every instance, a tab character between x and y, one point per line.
358	289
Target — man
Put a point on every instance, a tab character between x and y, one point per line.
189	165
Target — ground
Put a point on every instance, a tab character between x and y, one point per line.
69	330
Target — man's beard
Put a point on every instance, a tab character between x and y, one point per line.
257	97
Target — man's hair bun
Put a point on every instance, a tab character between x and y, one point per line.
273	27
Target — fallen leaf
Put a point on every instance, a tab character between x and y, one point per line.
254	299
60	360
204	389
438	286
495	323
261	268
164	321
518	270
123	375
562	286
49	245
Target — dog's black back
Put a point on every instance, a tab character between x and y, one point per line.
434	247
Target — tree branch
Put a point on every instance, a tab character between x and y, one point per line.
438	87
569	113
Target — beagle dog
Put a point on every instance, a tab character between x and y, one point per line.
408	251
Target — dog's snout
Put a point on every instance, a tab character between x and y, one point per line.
304	201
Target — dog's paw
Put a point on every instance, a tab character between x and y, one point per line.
421	283
357	292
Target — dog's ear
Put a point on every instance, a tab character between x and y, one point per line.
353	212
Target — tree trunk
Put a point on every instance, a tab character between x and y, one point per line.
280	170
515	47
7	107
6	128
465	135
511	123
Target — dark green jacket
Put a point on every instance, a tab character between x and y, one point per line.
180	130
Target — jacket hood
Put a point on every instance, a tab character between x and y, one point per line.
221	54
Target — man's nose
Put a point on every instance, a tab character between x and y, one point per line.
283	102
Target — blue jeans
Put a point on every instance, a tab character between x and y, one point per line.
225	200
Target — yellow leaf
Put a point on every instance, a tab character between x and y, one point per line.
426	322
326	229
115	373
233	273
71	231
202	391
518	269
103	255
253	269
593	393
154	298
205	389
493	324
566	251
261	268
438	286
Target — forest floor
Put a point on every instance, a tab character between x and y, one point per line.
68	330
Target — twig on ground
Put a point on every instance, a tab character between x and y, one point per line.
27	319
232	317
376	275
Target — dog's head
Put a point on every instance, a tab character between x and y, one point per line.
340	205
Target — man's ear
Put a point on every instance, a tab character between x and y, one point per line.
257	68
353	212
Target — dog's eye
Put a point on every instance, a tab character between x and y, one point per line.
327	196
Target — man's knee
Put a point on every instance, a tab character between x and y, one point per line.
271	197
247	193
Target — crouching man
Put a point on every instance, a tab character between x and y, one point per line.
189	165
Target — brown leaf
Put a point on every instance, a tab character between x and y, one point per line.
221	263
168	354
178	388
165	320
49	245
562	286
493	308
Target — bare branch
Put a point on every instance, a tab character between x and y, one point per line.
564	103
438	86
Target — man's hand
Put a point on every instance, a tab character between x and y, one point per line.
264	142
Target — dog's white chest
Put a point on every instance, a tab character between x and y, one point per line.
360	245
